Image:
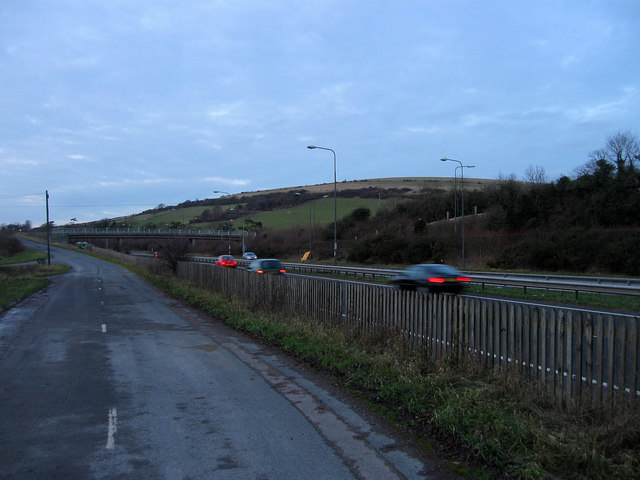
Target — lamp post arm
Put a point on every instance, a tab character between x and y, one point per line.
335	201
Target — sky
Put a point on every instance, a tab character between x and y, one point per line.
116	106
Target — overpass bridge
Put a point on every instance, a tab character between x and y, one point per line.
73	235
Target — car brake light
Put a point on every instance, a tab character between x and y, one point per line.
283	271
260	271
436	280
463	279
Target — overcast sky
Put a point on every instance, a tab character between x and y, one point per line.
115	106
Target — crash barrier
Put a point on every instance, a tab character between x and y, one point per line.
574	354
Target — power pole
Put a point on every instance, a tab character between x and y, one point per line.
48	231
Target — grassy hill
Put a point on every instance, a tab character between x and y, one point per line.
377	193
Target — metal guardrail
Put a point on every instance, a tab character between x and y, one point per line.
568	278
577	284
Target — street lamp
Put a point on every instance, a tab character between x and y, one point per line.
461	167
243	231
229	229
335	203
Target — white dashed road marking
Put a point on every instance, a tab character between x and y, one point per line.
113	428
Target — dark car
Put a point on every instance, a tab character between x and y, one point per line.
433	276
226	261
267	265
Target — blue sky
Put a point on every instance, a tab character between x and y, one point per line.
115	106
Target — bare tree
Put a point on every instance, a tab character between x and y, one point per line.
622	148
175	250
535	174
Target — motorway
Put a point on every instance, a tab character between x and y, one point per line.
102	376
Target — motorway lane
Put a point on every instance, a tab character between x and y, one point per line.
102	376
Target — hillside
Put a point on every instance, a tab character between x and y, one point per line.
411	184
265	206
586	224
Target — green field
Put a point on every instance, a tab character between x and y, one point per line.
162	219
319	211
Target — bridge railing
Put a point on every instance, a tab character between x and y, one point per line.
111	232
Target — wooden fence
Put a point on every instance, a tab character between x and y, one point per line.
575	354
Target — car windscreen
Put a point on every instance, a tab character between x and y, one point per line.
441	270
272	265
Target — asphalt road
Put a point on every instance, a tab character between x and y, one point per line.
104	377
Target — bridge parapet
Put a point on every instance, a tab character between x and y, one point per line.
149	233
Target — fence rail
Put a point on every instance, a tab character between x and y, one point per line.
574	354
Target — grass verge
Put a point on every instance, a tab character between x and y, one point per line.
20	281
29	255
496	423
584	299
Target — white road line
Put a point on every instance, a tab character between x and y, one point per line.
113	428
104	328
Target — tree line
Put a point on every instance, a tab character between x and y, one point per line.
587	222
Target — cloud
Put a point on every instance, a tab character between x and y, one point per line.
11	166
604	109
227	181
420	130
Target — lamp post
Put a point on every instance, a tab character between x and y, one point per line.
461	167
46	192
335	203
243	245
229	229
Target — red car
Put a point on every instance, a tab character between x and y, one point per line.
226	261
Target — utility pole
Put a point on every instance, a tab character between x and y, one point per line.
48	230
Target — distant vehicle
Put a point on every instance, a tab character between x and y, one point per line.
267	265
435	277
249	256
158	254
226	261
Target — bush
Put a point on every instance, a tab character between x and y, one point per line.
620	256
10	245
576	250
388	248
